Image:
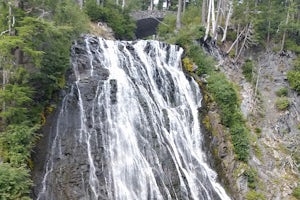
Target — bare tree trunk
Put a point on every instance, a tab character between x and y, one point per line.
213	17
123	4
204	3
80	3
215	33
208	21
227	22
151	5
184	6
244	42
235	42
178	18
284	33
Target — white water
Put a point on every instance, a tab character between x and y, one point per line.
144	116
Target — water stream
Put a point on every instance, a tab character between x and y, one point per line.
128	129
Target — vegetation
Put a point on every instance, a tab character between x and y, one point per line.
282	92
248	70
116	18
253	195
34	56
251	175
294	80
14	182
282	103
296	192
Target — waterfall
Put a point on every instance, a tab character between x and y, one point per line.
128	129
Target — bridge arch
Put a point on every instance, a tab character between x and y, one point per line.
147	21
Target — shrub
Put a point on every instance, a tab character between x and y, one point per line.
251	175
167	27
16	143
248	70
294	80
296	192
205	63
282	103
240	140
188	64
296	64
14	182
117	18
253	195
226	97
282	92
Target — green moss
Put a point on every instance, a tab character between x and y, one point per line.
187	64
296	192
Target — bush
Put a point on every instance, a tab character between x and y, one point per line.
294	80
16	143
282	103
226	97
240	140
251	175
282	92
248	70
188	64
296	192
14	182
253	195
117	18
168	27
205	63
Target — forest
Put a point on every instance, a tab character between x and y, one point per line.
35	41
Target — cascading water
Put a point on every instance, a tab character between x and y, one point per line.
128	129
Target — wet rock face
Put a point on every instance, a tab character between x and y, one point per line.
124	128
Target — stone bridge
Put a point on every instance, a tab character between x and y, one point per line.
147	21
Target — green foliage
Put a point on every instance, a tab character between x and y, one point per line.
282	103
192	29
296	192
290	44
296	64
16	100
14	182
294	80
282	92
167	28
252	178
34	57
68	13
240	140
16	143
248	70
253	195
205	63
226	97
116	18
